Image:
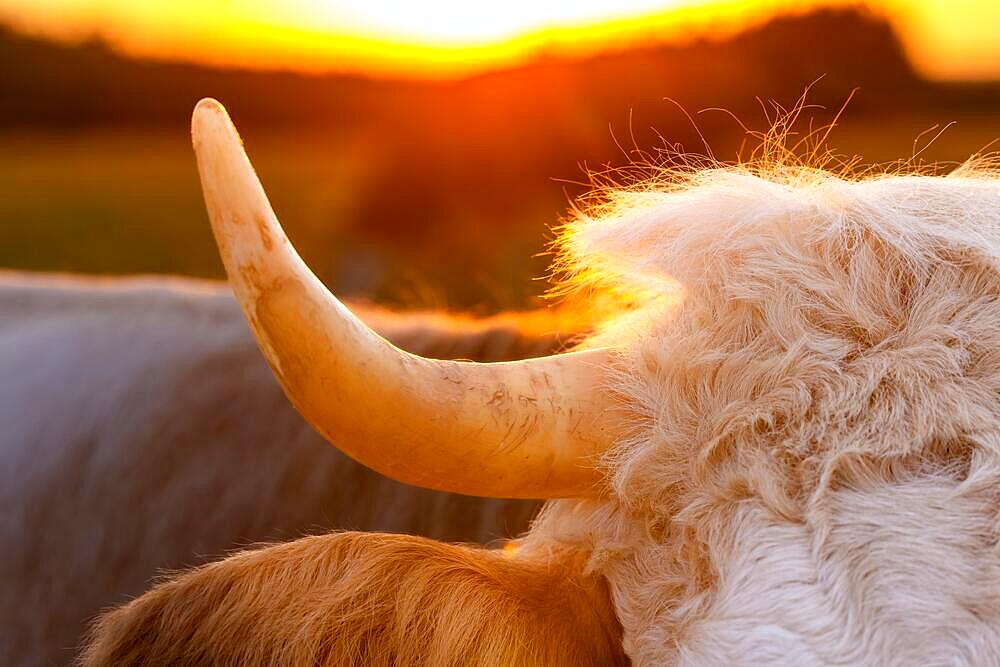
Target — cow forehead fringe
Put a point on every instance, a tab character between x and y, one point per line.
796	306
688	226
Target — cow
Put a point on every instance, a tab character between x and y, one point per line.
142	432
784	448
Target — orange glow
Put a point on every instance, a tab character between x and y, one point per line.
945	38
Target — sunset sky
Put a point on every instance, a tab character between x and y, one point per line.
945	38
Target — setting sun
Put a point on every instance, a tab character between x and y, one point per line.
453	22
448	37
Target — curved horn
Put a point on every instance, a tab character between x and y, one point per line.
526	429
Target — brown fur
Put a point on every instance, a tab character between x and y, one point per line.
367	598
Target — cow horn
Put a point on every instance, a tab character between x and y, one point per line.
524	429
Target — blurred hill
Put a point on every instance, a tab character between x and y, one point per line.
48	84
452	178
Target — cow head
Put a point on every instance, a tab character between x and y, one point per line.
784	449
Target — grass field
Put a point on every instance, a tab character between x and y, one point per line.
128	202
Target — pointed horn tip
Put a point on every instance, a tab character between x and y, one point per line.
205	108
209	115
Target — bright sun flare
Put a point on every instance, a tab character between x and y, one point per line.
465	21
945	38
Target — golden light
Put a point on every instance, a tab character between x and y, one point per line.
944	38
459	23
433	37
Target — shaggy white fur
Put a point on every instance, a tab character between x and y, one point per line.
814	365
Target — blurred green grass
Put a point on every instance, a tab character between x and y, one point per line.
124	202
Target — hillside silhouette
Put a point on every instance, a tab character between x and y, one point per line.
52	84
443	166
